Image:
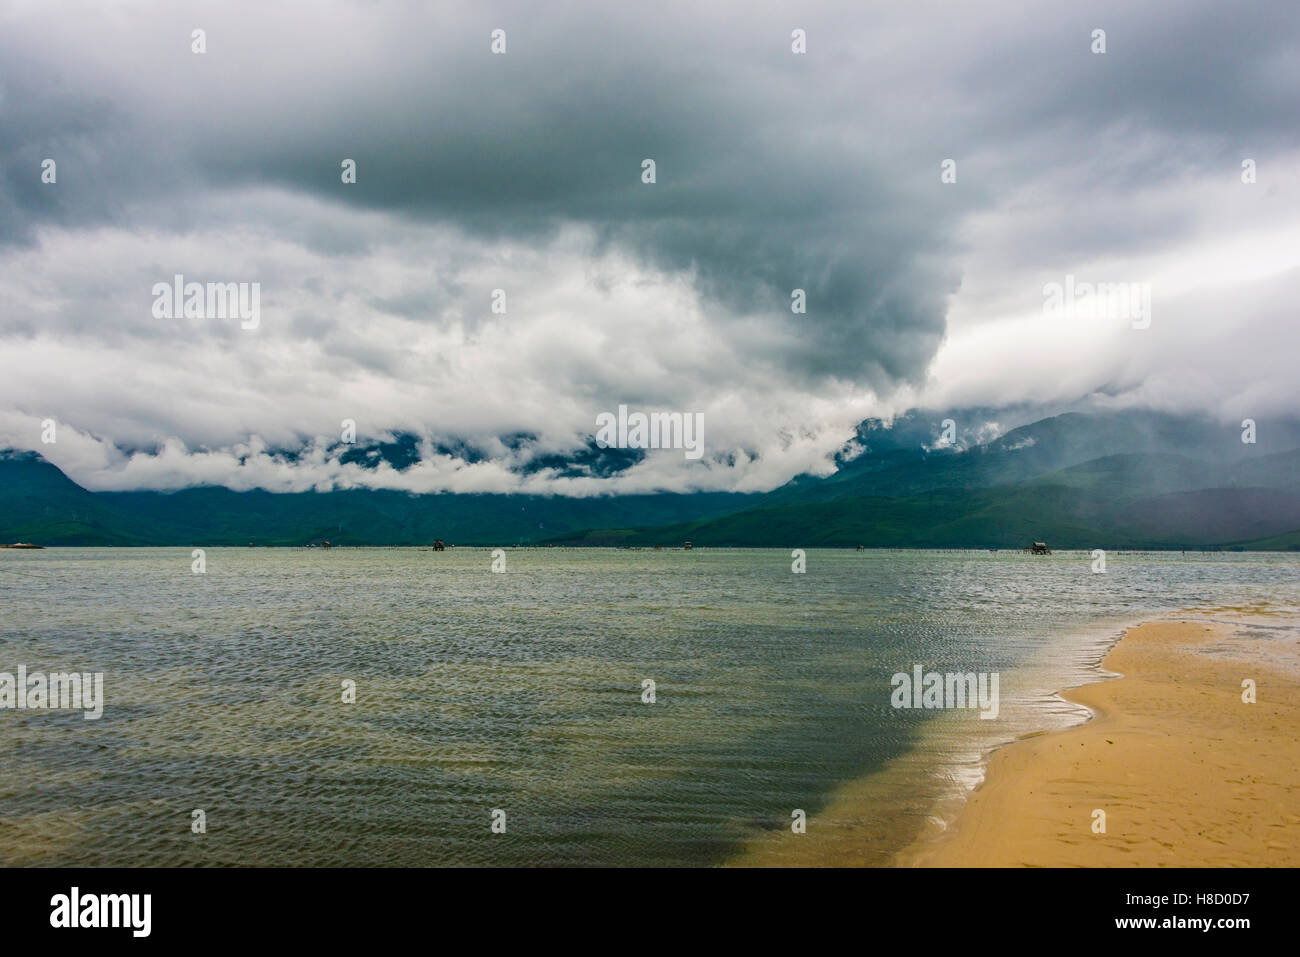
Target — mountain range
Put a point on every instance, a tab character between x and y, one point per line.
1077	480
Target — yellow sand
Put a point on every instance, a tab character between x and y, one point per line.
1186	773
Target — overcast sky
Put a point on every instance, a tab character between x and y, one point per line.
522	171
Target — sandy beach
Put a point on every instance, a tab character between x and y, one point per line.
1186	773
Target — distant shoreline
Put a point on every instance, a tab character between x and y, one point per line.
428	546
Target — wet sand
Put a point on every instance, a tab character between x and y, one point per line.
1186	773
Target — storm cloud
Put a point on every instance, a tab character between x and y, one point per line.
522	172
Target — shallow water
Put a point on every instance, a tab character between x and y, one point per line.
522	692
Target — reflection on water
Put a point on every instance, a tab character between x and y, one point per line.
522	691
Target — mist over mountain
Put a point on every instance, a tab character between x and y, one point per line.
1132	479
498	274
838	257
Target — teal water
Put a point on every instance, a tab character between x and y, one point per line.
522	692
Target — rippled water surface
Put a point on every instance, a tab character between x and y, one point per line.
522	692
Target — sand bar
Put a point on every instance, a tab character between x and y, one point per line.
1185	771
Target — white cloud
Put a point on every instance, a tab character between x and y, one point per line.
478	173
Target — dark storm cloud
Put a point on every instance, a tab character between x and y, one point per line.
775	172
757	192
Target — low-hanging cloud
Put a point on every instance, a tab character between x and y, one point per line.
522	172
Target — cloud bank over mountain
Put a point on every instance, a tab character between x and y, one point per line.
522	172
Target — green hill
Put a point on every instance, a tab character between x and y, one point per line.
38	503
1121	501
1076	481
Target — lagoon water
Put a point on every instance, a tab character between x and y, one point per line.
522	692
